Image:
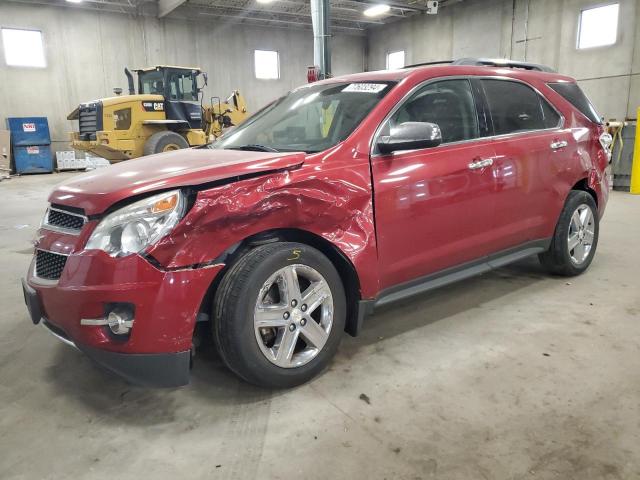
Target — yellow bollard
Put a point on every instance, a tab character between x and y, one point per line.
635	165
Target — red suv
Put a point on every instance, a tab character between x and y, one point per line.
341	196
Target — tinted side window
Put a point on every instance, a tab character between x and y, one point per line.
448	103
516	107
574	95
551	117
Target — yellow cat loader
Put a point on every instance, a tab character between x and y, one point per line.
165	114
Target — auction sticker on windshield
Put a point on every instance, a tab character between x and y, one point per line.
365	87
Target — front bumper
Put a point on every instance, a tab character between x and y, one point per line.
156	352
145	369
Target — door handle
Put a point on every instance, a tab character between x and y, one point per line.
558	144
476	164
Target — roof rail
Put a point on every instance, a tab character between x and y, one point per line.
438	62
502	62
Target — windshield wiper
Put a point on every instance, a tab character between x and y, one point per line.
254	147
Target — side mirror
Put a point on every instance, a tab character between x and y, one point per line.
117	91
410	136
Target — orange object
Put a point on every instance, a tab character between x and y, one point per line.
165	204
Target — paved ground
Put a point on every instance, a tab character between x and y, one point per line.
512	375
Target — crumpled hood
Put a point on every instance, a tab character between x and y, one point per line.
96	191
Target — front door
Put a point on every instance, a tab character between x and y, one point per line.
433	206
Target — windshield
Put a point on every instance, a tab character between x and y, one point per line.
309	119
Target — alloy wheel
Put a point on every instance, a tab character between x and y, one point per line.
581	234
293	316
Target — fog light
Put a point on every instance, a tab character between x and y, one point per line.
118	323
119	319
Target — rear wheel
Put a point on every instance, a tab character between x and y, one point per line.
576	236
279	314
164	142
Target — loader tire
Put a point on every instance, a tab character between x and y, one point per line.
164	142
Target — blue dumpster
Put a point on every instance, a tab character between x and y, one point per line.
33	159
27	131
30	143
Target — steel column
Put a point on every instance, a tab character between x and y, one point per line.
320	17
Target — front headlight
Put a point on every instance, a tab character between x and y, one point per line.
134	227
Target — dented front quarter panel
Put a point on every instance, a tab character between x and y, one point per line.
329	196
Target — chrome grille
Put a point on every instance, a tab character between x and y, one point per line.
63	220
49	265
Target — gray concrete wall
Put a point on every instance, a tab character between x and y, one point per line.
490	28
86	52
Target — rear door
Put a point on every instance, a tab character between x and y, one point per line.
434	206
531	148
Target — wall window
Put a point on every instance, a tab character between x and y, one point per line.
598	26
395	60
267	64
23	48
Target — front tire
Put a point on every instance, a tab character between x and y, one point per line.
279	315
165	141
576	236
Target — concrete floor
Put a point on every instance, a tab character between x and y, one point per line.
511	375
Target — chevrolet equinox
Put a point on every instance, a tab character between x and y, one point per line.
341	196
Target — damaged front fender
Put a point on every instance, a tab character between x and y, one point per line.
333	202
